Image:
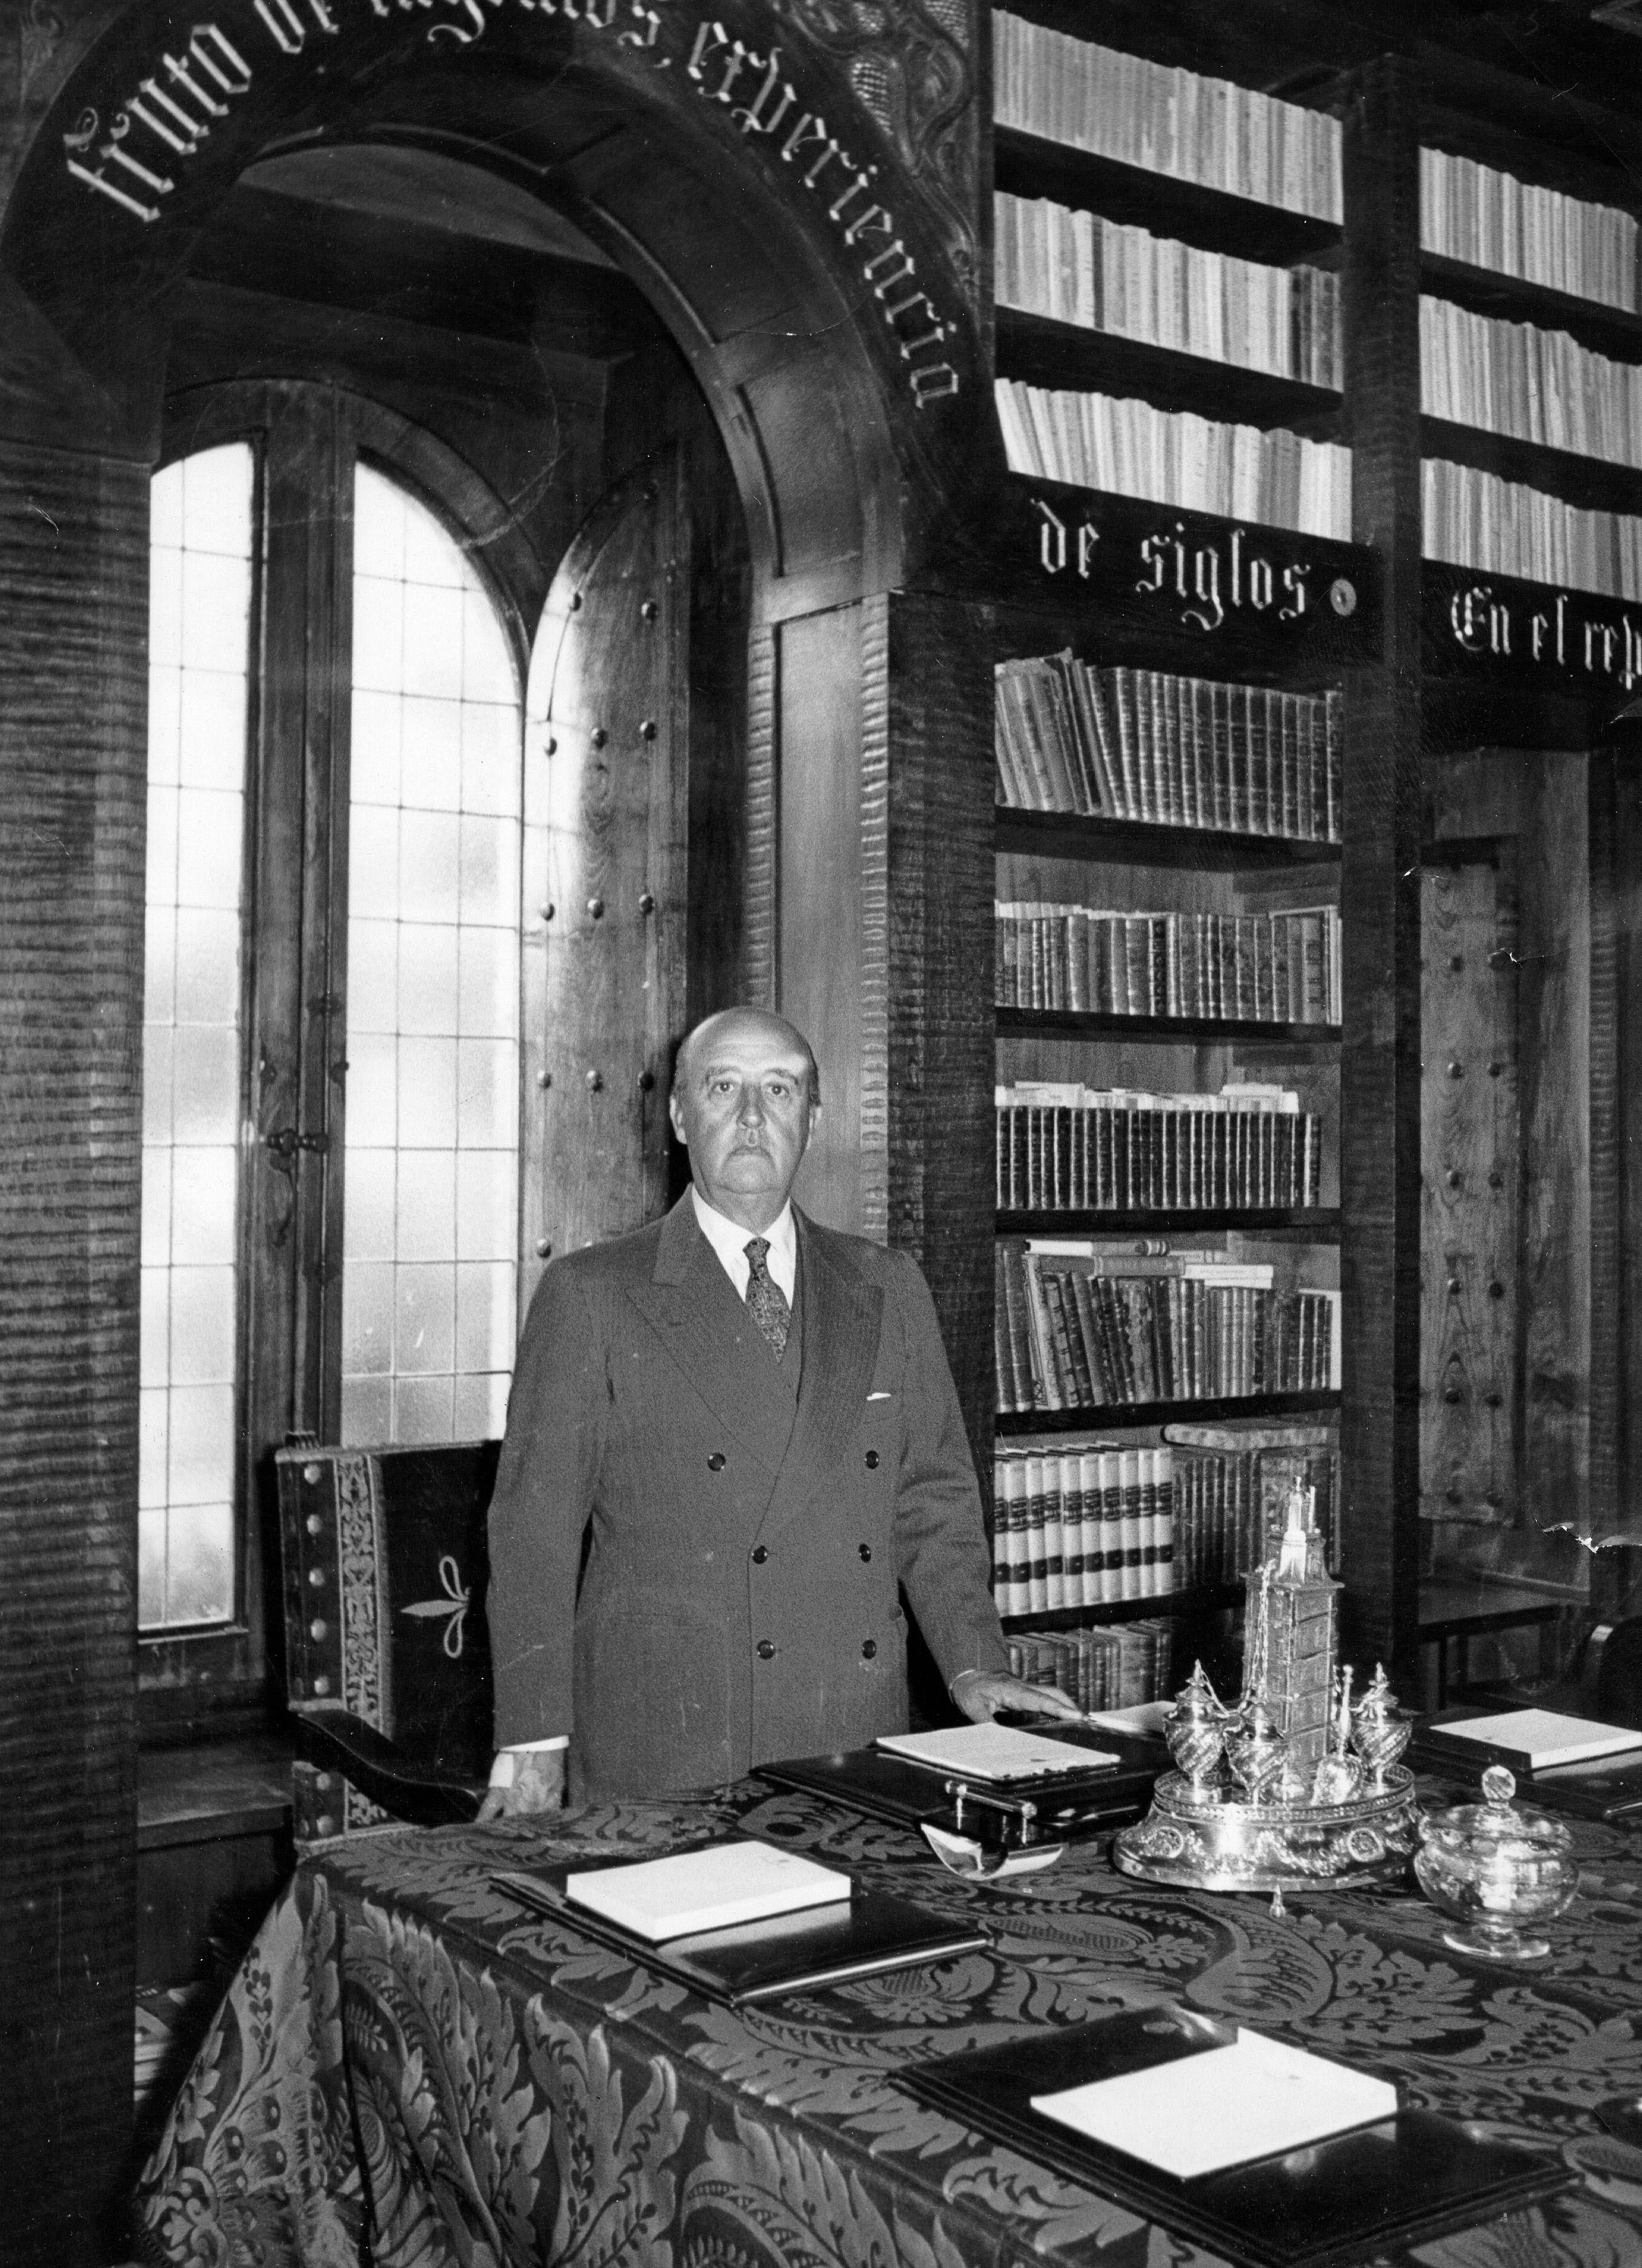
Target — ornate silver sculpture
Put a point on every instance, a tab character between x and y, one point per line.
1295	1787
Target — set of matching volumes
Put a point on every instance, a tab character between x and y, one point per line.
1538	386
1489	219
1075	266
1117	1668
1475	519
1143	745
1174	457
1164	120
1064	1148
1082	1328
1280	967
1081	1524
1232	1483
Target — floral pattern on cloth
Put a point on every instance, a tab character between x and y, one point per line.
408	2072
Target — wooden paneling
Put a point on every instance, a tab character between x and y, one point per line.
818	893
606	873
73	607
1555	1008
1470	1172
1627	917
1380	882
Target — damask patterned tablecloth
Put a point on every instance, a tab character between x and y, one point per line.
408	2072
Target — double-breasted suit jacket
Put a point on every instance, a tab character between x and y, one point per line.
694	1570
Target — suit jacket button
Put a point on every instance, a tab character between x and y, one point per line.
869	1649
760	1552
865	1551
872	1460
715	1463
766	1651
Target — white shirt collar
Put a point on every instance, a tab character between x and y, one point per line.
729	1239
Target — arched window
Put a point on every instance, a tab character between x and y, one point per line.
330	1236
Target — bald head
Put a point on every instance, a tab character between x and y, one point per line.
746	1092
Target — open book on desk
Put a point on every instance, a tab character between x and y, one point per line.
803	1949
1393	2177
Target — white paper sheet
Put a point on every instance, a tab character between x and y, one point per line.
1223	2107
702	1891
994	1752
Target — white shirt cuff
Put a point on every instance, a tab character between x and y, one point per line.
502	1770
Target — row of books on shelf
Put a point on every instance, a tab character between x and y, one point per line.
1128	448
1089	1523
1165	120
1537	386
1118	1668
1185	1327
1489	219
1474	518
1280	967
1075	266
1064	1148
1086	1525
1146	745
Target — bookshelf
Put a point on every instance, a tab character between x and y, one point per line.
1262	705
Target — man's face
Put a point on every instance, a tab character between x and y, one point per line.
741	1104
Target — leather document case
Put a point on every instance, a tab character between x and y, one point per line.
1344	2200
1605	1787
1069	1807
802	1952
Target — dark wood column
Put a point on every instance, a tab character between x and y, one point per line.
73	731
880	807
1380	1143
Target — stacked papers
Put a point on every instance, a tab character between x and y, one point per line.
1222	2107
699	1890
1537	1739
994	1752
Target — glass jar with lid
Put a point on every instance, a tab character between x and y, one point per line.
1494	1865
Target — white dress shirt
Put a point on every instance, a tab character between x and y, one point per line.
729	1240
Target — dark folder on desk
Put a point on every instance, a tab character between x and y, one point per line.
768	1960
1069	1804
1376	2188
1600	1787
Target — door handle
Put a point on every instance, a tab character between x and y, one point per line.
285	1142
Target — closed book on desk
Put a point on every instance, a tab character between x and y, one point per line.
1606	1785
1531	1740
1331	2203
767	1959
695	1891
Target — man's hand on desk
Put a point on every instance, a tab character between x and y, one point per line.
982	1693
538	1785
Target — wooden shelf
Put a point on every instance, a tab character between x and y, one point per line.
1591	483
1318	1402
1086	1024
1026	164
1075	834
1606	330
1291	1223
1045	352
1212	1599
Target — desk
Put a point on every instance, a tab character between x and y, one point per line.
511	2093
1453	1608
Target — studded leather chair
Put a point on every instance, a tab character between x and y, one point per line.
385	1570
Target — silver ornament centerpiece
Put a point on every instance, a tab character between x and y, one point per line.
1294	1788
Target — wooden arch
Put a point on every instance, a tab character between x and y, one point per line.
789	192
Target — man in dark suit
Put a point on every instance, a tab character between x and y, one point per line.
733	1441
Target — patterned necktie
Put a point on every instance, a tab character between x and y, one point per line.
765	1298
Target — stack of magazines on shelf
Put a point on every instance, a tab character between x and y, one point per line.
1081	1523
1083	1326
1281	968
1165	119
1102	275
1232	1483
1143	745
1116	1668
1065	1148
1127	447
